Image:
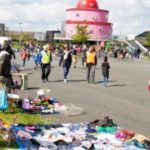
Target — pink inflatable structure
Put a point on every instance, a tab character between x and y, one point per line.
87	12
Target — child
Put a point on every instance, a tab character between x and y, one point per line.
24	56
105	70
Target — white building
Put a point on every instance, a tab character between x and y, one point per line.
40	36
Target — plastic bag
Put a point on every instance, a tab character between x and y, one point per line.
73	110
3	99
43	92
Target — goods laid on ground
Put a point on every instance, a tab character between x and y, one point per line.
45	105
96	135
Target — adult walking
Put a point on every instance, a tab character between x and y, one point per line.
5	66
66	61
75	58
7	46
91	62
105	70
46	62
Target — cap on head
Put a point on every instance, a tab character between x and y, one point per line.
45	47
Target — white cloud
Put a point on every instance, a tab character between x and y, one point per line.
40	15
128	16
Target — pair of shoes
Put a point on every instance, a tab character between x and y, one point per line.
65	80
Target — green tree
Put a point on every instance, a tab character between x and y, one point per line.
81	35
147	43
26	36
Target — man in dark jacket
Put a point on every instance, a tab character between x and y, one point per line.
5	68
66	61
7	46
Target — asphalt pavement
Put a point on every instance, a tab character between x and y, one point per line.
126	98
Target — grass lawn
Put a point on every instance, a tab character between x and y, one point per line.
21	117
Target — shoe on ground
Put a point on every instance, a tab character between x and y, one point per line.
65	80
47	79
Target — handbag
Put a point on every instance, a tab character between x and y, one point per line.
3	99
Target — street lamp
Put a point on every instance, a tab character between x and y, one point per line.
20	32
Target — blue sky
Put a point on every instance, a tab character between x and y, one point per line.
128	17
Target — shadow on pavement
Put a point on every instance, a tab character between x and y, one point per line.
68	81
115	85
77	80
33	88
103	81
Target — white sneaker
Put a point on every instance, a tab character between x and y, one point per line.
65	80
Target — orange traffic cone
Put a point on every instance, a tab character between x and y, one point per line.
149	86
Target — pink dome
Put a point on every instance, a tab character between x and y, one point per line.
88	4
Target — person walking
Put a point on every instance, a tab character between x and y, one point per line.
6	45
24	56
5	67
66	61
75	58
105	70
36	60
91	62
46	62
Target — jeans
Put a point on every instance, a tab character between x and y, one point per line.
105	81
66	71
24	62
91	73
46	69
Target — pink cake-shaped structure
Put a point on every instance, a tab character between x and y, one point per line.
87	12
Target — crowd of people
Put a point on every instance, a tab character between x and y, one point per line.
68	56
42	57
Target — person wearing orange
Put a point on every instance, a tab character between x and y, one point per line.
24	56
91	62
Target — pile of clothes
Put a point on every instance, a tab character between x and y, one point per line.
45	105
96	135
42	103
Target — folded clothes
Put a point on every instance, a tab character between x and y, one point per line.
82	136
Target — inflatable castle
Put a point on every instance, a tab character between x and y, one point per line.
87	12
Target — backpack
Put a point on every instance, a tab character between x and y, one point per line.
3	99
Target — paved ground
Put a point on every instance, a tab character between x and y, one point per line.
126	99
